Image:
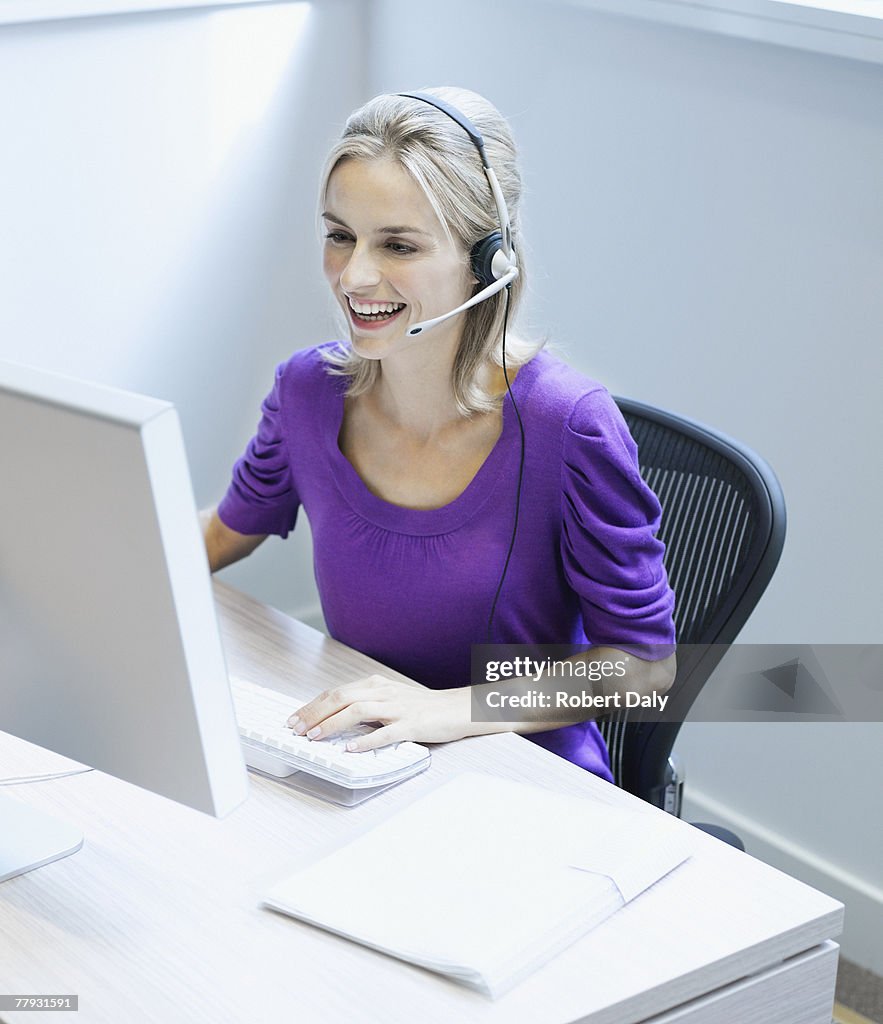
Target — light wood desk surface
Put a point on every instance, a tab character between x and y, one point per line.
158	917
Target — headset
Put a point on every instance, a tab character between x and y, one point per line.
495	267
492	258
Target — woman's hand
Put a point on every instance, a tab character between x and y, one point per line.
404	711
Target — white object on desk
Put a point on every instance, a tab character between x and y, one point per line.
110	646
485	879
32	838
261	715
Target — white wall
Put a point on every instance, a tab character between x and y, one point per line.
706	224
157	200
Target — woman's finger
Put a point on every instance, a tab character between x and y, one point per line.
331	701
349	717
381	737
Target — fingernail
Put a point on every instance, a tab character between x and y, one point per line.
352	745
298	726
314	732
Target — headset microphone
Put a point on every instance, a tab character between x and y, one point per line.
485	293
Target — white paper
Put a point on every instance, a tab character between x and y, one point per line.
484	879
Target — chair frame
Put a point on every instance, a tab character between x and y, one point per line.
641	751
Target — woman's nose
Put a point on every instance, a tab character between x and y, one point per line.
361	271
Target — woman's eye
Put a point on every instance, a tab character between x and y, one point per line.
337	237
401	248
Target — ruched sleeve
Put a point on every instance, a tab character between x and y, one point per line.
612	557
262	497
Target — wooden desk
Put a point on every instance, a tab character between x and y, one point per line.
157	918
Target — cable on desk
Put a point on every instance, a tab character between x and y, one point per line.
24	779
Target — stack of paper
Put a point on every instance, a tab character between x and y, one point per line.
485	879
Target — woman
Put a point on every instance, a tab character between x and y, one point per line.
406	449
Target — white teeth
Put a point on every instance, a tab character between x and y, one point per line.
370	308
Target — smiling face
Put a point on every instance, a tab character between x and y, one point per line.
388	258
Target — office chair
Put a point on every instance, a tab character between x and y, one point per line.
723	524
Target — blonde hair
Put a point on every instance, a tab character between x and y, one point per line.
441	158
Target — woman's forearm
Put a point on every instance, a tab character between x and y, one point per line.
223	545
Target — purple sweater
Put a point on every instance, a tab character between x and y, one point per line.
413	588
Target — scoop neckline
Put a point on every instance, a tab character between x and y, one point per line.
445	518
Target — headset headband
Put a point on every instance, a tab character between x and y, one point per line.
478	141
454	115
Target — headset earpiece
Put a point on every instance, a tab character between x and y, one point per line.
482	258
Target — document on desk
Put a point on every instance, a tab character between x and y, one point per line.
485	879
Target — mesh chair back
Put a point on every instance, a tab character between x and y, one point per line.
723	525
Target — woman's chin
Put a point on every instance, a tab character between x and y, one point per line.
371	348
381	346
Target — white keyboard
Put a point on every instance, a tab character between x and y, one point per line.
271	747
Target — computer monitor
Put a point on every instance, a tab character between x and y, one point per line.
110	651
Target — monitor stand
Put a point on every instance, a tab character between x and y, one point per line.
30	838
